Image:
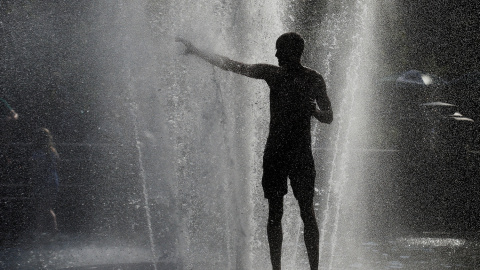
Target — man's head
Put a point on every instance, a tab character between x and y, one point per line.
289	48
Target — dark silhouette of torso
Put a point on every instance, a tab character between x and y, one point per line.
291	93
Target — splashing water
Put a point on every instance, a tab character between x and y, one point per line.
144	188
200	132
342	221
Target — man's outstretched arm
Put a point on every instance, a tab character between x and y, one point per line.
257	71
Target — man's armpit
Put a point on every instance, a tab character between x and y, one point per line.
261	71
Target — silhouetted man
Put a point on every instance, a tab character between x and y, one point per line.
294	93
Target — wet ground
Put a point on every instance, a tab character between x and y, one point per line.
417	216
429	251
62	251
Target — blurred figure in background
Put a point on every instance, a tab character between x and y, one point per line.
7	113
45	180
7	118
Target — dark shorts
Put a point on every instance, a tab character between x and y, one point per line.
298	166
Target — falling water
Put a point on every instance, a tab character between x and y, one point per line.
143	178
347	35
200	131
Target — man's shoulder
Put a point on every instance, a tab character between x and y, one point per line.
314	76
312	72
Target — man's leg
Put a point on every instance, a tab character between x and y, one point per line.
274	231
311	233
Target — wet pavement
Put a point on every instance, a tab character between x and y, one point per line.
429	251
401	208
62	251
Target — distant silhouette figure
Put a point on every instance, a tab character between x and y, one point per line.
295	91
7	113
44	177
8	119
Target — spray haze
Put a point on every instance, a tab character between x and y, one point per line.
206	128
179	144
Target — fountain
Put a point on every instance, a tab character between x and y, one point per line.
183	141
199	130
200	144
347	37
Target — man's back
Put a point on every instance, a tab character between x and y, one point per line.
292	93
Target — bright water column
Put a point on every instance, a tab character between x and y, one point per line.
200	131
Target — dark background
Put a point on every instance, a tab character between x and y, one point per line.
51	77
48	71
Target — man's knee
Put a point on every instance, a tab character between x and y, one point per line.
275	211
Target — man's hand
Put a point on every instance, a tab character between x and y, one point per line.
189	48
324	116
